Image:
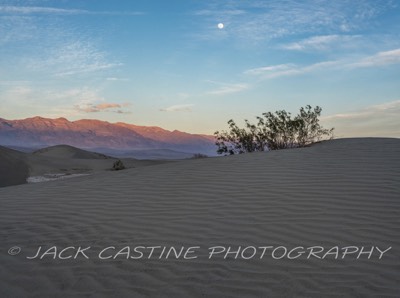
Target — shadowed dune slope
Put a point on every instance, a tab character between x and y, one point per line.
344	192
13	167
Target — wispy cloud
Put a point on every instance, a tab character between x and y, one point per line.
265	20
51	47
72	58
38	9
380	59
81	96
88	100
15	29
58	102
322	42
225	88
14	82
114	79
20	92
273	71
87	67
178	108
392	108
102	107
375	120
226	12
281	70
27	10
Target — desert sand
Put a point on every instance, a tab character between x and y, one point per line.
338	193
60	161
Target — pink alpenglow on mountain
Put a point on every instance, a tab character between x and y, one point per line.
89	134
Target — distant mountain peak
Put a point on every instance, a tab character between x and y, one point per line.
93	133
62	119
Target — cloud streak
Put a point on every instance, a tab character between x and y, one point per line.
73	58
322	42
30	10
38	10
208	12
114	79
101	107
392	108
375	120
225	88
380	59
178	108
282	70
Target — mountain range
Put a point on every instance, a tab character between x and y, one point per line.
39	132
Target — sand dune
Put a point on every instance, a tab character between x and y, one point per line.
61	161
14	168
339	193
69	152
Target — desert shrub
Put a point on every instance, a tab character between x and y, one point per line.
273	131
118	165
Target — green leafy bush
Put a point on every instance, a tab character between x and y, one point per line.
273	131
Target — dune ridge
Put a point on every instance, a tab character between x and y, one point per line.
337	193
67	151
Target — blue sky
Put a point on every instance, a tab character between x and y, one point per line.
166	63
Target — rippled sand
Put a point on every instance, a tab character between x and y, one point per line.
339	193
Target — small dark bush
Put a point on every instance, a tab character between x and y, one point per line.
118	165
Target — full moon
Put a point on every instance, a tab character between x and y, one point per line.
220	25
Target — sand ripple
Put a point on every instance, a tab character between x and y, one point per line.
343	192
